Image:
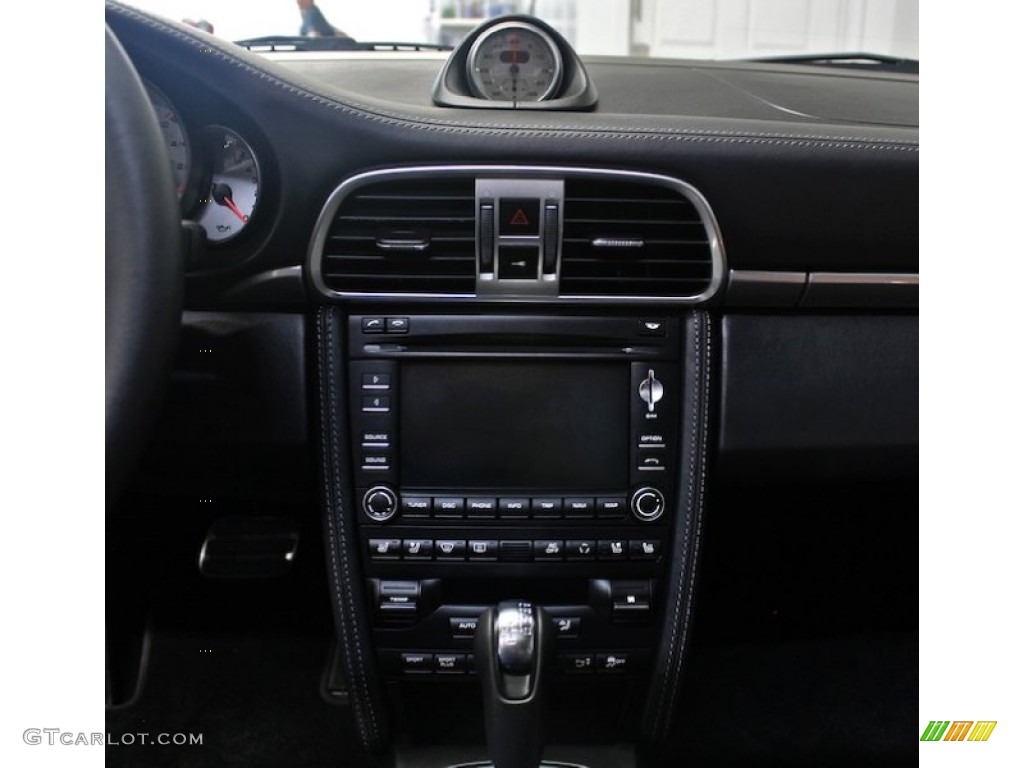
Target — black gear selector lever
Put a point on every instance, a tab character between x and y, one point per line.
512	648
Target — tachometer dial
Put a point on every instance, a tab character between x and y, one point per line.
174	136
514	61
233	191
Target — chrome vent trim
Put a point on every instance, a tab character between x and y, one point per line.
633	236
616	245
396	235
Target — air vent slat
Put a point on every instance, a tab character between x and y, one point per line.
364	252
632	238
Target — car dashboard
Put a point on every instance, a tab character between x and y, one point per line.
646	365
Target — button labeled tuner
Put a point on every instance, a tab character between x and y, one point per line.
647	504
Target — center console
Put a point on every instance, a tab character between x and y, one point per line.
514	386
529	447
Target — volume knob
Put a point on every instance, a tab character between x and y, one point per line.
648	504
380	503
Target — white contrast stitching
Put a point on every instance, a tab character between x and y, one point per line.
538	130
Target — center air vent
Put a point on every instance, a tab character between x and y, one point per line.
403	236
634	238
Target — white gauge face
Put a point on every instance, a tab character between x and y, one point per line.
174	137
233	191
514	61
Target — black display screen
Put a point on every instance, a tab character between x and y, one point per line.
528	425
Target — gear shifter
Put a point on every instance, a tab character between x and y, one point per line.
512	648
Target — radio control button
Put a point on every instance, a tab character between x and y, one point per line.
579	508
376	381
376	462
380	503
648	504
546	508
377	404
548	550
418	549
481	507
645	440
580	549
416	506
513	508
612	507
450	549
616	549
376	438
483	549
446	506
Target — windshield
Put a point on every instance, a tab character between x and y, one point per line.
701	29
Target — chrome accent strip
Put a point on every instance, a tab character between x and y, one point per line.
864	278
334	200
609	242
758	276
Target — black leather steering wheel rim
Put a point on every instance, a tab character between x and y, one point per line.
145	266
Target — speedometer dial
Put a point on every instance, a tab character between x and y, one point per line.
174	137
514	61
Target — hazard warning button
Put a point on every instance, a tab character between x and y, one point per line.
520	216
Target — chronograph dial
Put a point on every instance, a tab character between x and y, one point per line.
515	62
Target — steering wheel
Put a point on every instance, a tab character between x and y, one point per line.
145	266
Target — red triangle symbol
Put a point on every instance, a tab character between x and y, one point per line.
520	220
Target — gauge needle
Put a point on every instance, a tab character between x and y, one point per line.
222	196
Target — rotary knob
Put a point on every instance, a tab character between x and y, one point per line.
651	390
648	504
380	503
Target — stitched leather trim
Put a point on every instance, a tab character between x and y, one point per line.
661	699
342	554
399	120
